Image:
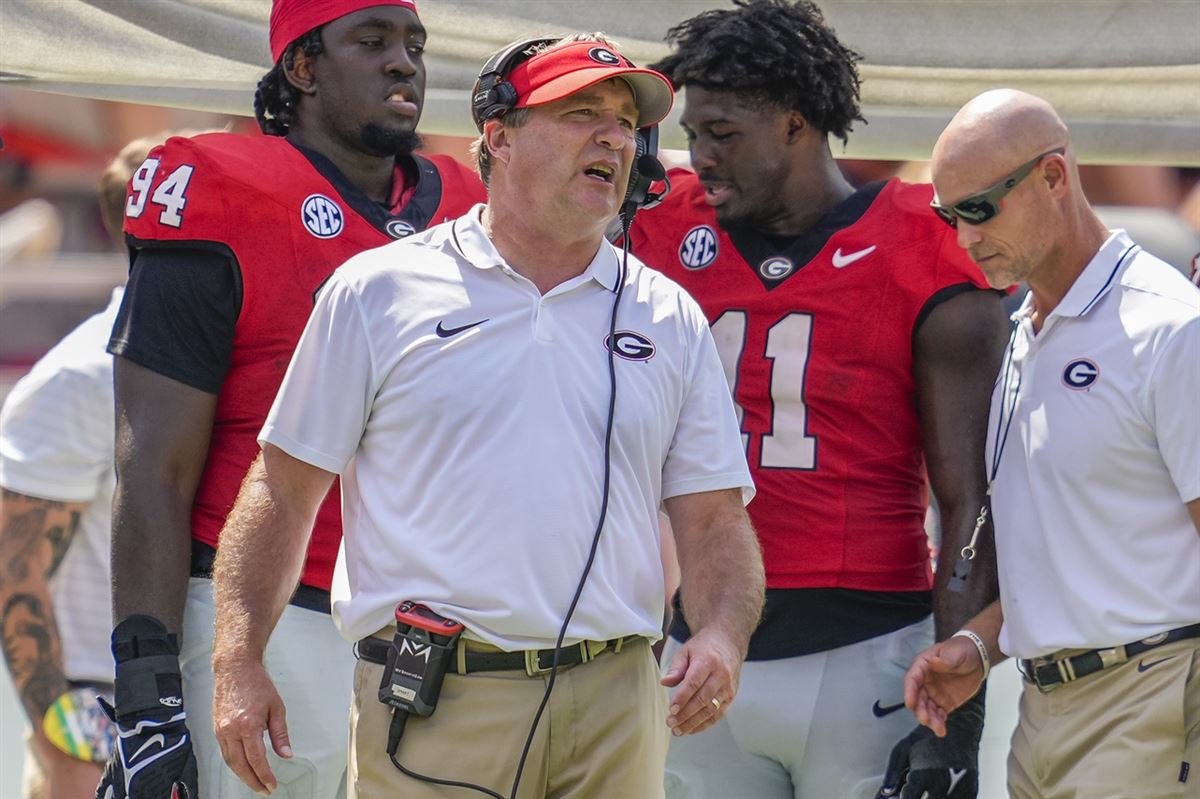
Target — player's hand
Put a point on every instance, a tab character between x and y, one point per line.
924	766
152	760
705	668
941	679
153	756
245	705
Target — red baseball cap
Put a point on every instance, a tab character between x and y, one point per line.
291	19
563	70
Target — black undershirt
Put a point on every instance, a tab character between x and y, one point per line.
179	313
801	621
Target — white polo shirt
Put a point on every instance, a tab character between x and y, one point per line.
56	442
1096	547
466	414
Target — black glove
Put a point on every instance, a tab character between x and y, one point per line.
153	757
923	766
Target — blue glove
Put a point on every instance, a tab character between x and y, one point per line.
153	756
923	766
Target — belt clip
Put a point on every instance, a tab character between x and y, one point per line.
533	663
1066	670
1111	657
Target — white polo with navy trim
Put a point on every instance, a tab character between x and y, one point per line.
1096	428
466	413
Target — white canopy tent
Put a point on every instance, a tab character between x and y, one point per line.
1125	73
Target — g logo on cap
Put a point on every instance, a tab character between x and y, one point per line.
604	56
1080	374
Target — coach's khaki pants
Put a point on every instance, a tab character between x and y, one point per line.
1123	733
602	736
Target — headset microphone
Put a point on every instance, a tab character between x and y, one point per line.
646	171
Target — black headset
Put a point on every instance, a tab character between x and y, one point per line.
493	97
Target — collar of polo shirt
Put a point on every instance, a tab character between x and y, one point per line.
473	242
1096	280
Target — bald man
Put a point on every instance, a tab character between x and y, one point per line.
1094	463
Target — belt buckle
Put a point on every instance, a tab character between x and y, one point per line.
1045	688
533	666
1029	670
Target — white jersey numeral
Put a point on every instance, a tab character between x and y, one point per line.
729	334
787	446
171	194
139	188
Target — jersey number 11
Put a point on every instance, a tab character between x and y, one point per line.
788	445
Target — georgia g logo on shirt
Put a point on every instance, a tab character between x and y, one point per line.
631	346
1080	374
322	217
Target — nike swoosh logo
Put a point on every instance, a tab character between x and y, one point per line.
880	710
447	332
133	769
956	775
159	739
1144	666
842	261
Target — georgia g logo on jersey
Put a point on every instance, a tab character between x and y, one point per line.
322	217
698	248
776	268
398	228
1080	374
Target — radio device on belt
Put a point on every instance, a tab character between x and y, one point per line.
421	652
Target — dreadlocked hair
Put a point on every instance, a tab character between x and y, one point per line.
776	52
275	99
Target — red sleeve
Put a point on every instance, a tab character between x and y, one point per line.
176	196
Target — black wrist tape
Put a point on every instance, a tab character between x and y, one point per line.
148	681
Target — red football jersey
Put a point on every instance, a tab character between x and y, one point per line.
816	334
288	219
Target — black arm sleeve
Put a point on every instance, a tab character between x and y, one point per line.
178	314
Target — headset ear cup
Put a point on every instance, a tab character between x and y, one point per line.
503	99
494	96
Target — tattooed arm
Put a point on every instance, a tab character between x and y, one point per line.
34	537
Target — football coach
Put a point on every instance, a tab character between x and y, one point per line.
508	400
1094	457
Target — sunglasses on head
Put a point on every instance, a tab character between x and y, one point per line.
979	208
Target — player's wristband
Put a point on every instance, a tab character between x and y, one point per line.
979	645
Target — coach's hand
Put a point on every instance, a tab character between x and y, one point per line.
153	756
942	678
705	669
924	766
245	705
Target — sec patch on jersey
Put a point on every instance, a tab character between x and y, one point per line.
698	248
